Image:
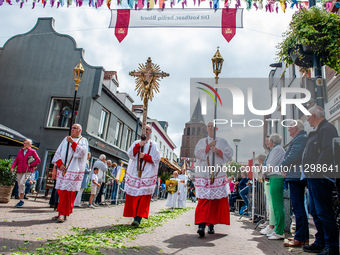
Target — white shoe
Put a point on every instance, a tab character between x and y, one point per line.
77	206
276	237
264	225
92	206
270	234
267	231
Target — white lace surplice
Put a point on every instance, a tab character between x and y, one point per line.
135	186
203	187
75	172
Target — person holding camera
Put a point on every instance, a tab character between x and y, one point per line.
26	161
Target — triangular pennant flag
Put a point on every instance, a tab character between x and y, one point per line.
228	23
122	24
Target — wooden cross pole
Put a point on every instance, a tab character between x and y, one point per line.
147	82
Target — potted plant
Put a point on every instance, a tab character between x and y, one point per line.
318	31
7	180
86	194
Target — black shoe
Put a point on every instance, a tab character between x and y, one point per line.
201	230
327	251
17	197
313	248
135	223
25	197
211	229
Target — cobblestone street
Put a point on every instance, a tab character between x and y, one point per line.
23	228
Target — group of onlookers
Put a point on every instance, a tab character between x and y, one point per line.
306	165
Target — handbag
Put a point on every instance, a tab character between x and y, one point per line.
30	160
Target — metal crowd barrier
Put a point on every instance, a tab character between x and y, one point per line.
113	193
256	202
258	205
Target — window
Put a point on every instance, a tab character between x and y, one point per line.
188	131
118	134
198	131
103	124
167	153
163	151
156	139
193	131
160	147
61	112
128	139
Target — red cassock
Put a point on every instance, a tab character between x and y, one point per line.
137	206
66	202
212	211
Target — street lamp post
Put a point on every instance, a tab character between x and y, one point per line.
138	112
319	95
217	62
78	75
237	142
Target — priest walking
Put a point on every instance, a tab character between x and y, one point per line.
70	173
139	189
210	182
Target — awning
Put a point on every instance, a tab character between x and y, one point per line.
10	137
169	164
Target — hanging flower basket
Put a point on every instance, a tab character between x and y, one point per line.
300	57
307	49
318	31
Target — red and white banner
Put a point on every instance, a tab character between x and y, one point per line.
227	18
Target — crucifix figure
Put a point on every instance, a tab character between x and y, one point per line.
147	81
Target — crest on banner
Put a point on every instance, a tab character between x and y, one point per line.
171	186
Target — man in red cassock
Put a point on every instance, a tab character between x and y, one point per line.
140	189
210	182
69	174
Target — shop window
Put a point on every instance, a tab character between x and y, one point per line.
118	134
103	124
61	111
128	139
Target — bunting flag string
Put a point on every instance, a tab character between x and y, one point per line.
268	5
228	19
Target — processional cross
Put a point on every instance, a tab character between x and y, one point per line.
147	82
